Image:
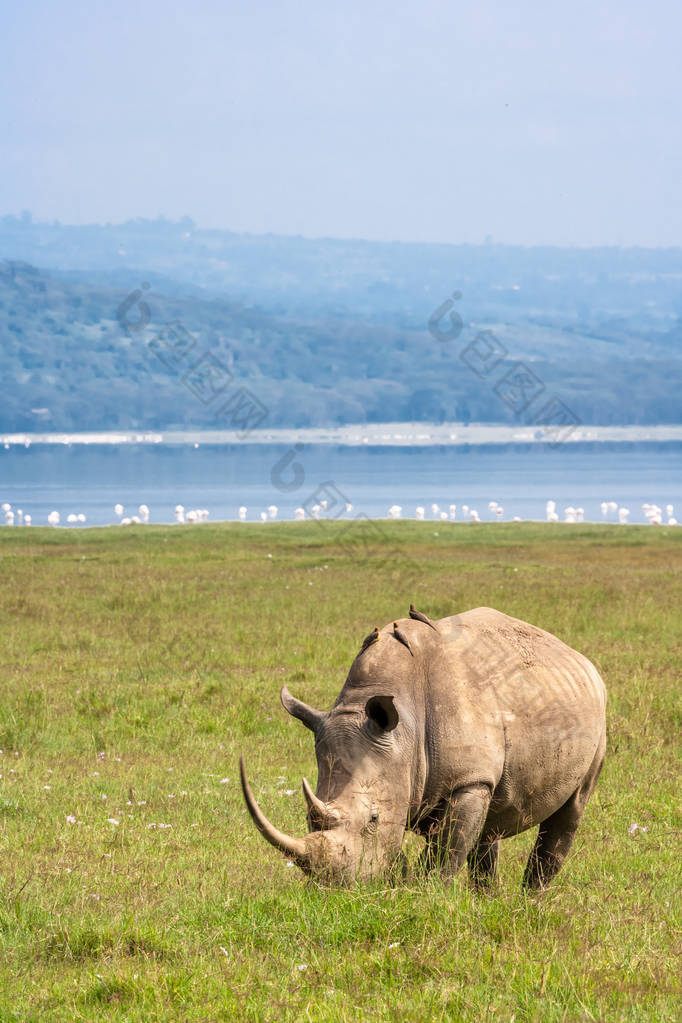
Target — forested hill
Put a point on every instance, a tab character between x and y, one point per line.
323	332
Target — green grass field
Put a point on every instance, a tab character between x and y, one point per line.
138	663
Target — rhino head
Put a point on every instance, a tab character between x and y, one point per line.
369	767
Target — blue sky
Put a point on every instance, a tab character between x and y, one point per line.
530	122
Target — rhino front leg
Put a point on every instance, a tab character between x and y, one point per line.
455	829
482	861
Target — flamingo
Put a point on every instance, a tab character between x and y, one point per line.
623	514
299	514
54	518
434	509
264	516
453	512
499	511
118	510
272	511
143	512
419	514
179	513
242	513
27	520
395	511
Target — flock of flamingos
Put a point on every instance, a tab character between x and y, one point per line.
653	514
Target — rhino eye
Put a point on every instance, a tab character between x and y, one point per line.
371	825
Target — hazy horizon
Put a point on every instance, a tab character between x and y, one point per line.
487	241
436	124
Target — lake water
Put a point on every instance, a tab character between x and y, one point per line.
92	479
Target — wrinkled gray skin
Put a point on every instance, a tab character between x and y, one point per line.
481	727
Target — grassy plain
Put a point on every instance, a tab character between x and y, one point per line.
137	663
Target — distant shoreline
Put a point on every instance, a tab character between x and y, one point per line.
362	435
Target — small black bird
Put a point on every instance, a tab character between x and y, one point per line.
368	640
419	617
401	637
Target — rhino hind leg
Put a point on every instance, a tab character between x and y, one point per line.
455	829
556	834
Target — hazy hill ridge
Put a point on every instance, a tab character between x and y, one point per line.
324	332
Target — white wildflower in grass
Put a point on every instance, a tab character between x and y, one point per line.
290	863
289	792
394	944
95	896
112	820
634	828
302	966
103	796
224	781
70	819
48	787
224	951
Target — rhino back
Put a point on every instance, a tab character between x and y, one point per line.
511	706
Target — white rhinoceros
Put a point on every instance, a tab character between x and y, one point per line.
466	730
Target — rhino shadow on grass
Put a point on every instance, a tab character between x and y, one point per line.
466	730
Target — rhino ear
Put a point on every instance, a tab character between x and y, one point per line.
381	712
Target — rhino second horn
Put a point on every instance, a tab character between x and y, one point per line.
320	810
294	847
310	717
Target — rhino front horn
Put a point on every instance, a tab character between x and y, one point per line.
294	847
